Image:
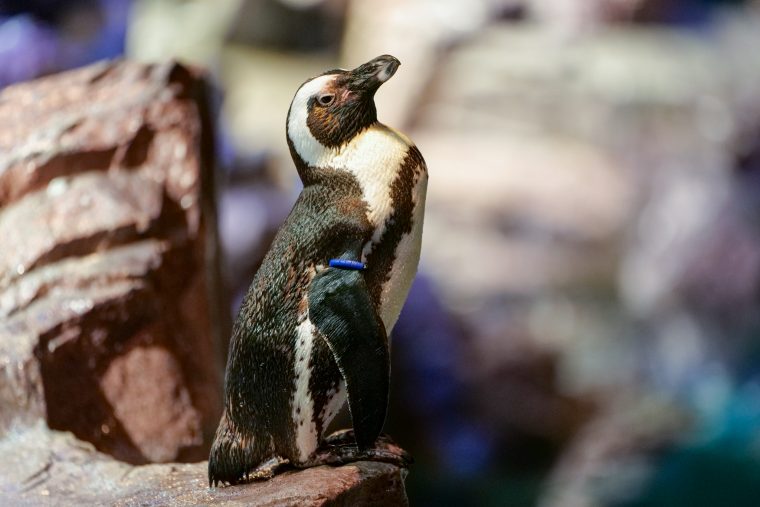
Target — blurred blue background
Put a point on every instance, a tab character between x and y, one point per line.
585	326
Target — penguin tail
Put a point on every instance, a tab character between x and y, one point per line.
231	459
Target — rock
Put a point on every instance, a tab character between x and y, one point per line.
42	468
107	274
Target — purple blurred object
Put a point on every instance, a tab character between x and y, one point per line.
27	49
427	344
38	39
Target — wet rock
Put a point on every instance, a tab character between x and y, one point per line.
107	272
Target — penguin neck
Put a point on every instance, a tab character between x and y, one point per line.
309	154
373	157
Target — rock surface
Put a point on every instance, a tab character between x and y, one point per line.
105	323
40	468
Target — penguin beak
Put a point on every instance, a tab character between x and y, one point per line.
368	77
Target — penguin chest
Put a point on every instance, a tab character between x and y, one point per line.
394	252
393	178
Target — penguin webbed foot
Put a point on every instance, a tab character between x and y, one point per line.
263	472
268	469
340	448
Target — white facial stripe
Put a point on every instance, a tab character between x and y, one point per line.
298	129
303	404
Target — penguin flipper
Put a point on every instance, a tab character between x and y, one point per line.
341	309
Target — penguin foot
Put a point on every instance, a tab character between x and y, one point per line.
340	448
234	460
267	470
264	471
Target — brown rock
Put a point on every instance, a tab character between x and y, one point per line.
42	468
107	270
147	380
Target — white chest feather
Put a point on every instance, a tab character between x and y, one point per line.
404	268
303	403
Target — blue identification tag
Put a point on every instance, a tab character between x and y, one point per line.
347	264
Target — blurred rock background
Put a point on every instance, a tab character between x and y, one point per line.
584	330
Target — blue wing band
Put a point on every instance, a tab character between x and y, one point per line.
347	264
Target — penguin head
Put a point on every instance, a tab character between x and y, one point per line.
331	109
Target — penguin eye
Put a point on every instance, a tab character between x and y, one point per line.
326	99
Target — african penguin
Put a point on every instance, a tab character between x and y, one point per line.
312	331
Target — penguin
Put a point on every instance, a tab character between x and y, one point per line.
313	329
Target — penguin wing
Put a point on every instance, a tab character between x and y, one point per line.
341	309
